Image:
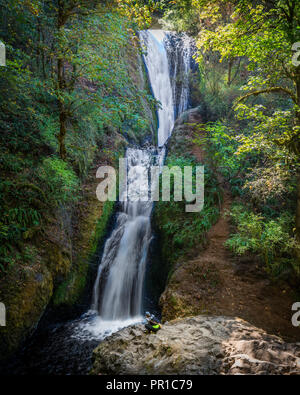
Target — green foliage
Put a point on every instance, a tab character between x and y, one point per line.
216	95
249	88
248	32
219	139
271	239
179	16
221	144
139	11
265	225
100	96
58	180
19	217
184	230
103	79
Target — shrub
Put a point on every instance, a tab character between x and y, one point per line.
269	238
186	230
59	181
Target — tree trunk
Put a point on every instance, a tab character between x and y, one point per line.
62	132
38	47
297	122
230	63
61	86
236	71
43	55
62	112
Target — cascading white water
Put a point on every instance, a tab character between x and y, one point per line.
179	48
158	70
118	289
125	252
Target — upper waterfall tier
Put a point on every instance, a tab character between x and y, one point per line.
168	57
158	70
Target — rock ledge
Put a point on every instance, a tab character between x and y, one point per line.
197	345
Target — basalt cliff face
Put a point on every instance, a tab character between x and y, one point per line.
197	345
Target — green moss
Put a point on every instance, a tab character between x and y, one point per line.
173	301
101	227
25	294
69	291
59	260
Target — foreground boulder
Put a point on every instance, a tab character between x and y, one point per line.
197	345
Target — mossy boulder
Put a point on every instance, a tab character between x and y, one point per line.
26	293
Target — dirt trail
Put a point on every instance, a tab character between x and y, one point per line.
217	283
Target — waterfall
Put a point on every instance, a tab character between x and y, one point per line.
125	252
168	57
157	64
118	289
179	48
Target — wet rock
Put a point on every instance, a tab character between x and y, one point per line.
197	345
180	51
188	117
25	299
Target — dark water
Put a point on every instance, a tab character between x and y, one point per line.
61	348
53	351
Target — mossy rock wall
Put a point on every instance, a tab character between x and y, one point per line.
25	301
